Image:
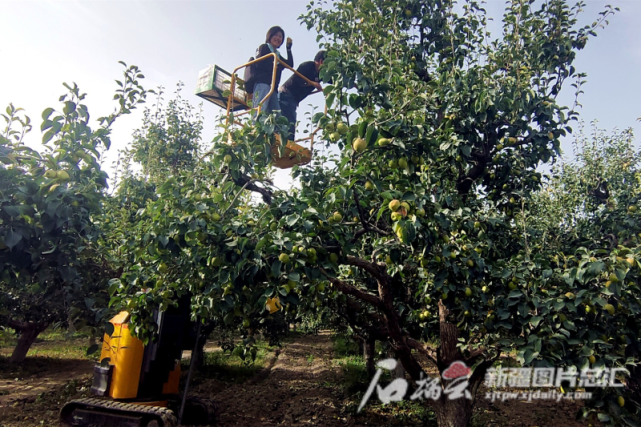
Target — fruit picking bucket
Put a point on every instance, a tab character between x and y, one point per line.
292	154
212	84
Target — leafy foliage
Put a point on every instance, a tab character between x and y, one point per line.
418	227
51	266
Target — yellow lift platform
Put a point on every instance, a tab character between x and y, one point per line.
214	82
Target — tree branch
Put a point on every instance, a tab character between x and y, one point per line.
479	373
474	355
236	198
366	225
397	337
245	181
377	270
14	324
423	349
361	214
355	292
20	326
380	332
369	228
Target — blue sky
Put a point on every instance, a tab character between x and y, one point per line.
47	42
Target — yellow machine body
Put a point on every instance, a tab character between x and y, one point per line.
141	380
172	384
125	353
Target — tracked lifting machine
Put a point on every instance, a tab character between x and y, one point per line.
227	91
138	385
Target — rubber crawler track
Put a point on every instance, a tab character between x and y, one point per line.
163	415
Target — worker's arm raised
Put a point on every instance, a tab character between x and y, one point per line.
290	57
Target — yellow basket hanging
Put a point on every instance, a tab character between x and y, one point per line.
292	154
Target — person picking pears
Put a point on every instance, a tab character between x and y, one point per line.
263	70
295	89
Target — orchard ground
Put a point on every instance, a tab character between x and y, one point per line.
312	380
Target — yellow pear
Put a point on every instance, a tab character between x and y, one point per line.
394	205
359	145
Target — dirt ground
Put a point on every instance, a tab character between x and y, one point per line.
300	385
43	376
296	387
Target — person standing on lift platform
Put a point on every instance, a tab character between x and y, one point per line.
295	89
263	70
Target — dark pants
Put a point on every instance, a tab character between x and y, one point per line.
288	107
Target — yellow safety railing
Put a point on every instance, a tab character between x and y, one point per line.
277	61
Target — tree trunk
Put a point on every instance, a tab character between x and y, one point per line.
70	326
633	383
369	350
399	371
199	354
28	334
360	342
453	413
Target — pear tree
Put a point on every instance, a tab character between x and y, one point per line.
52	268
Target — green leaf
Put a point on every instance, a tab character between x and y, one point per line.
371	135
362	128
536	320
46	125
69	107
92	349
291	220
50	251
47	136
12	210
409	196
262	301
229	318
223	275
262	242
163	240
46	113
529	356
109	329
330	99
595	268
629	421
295	276
515	294
12	238
569	325
276	268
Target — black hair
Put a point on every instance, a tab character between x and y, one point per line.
272	31
320	56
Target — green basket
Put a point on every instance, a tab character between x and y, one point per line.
213	81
